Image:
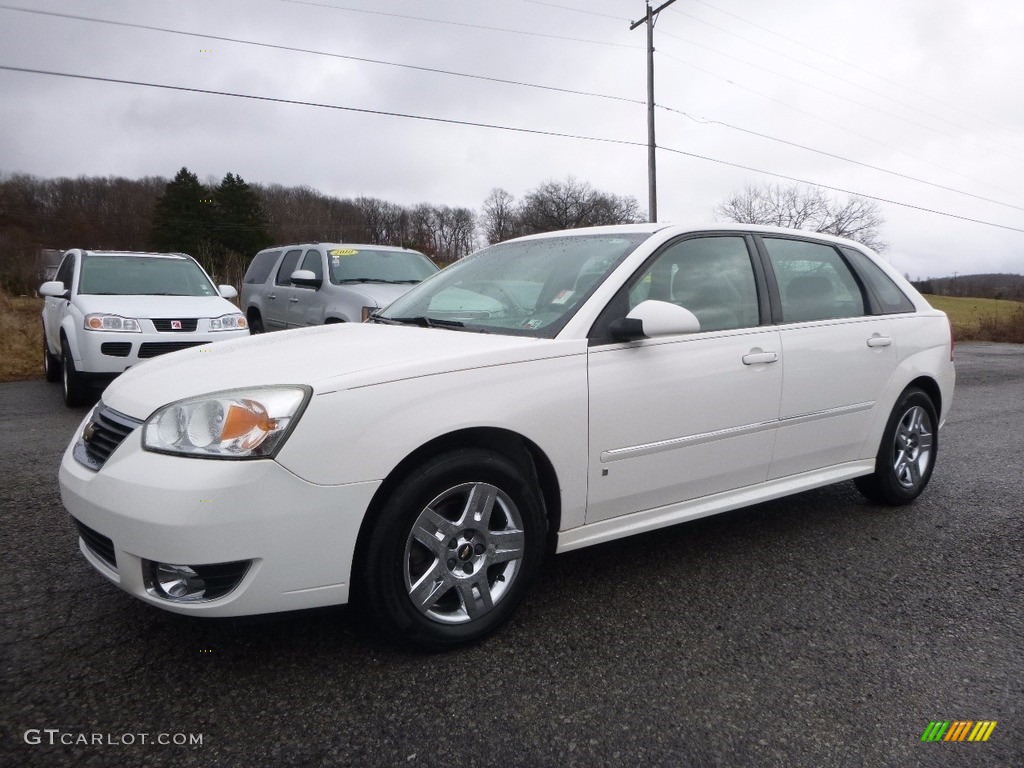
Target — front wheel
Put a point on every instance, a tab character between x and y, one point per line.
75	392
906	456
453	551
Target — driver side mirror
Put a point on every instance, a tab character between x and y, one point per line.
307	278
653	318
54	289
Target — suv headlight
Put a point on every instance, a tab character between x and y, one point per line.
234	322
235	424
112	323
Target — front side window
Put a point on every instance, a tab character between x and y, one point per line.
814	281
314	262
288	265
523	288
127	275
711	276
66	271
355	265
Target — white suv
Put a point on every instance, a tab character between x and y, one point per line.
109	310
285	286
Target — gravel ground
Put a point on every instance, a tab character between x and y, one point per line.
813	631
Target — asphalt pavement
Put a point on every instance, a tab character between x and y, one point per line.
817	630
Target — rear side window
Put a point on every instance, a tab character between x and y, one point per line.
259	270
814	281
888	296
288	265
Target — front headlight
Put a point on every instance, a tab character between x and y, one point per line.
112	323
234	322
236	424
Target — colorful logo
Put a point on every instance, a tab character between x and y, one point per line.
958	730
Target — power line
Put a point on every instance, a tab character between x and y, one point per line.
576	10
456	23
294	49
840	96
494	126
834	124
852	65
503	81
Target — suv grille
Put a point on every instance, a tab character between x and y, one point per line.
97	543
187	326
109	429
155	348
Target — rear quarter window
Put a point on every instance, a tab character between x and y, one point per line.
887	295
261	267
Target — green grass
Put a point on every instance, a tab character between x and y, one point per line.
983	319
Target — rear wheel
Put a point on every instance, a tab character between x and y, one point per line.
453	551
906	456
75	391
51	363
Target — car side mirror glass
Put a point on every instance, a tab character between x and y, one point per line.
227	291
54	289
306	277
653	318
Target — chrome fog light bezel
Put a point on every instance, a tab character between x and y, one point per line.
162	580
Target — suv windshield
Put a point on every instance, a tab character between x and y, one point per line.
126	275
525	287
366	266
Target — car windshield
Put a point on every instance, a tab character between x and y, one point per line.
374	266
127	275
524	287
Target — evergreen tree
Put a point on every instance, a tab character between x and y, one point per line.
240	224
183	216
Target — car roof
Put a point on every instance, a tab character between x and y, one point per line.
693	227
360	246
141	254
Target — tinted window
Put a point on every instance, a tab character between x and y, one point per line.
288	265
814	281
366	266
127	275
66	271
314	262
710	276
887	294
261	266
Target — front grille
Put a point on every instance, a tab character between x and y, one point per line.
154	348
116	348
97	543
187	326
106	430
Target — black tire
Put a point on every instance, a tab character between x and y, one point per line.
75	391
907	454
255	324
460	577
51	363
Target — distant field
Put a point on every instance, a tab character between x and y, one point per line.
21	337
983	319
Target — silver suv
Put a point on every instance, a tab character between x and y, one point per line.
291	286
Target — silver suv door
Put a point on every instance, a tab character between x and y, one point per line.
280	291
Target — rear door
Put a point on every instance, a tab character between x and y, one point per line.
278	299
837	356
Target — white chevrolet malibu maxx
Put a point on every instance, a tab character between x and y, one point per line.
546	393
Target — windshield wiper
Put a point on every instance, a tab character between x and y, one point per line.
373	280
423	321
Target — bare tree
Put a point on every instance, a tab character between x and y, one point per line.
500	218
569	204
810	208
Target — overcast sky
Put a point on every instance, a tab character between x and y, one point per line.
928	89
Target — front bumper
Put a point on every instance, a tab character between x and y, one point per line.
300	537
109	353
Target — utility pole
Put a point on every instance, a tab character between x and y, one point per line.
652	174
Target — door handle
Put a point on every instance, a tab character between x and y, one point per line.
879	341
755	357
293	300
271	296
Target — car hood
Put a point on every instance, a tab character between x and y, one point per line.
155	306
378	294
328	358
